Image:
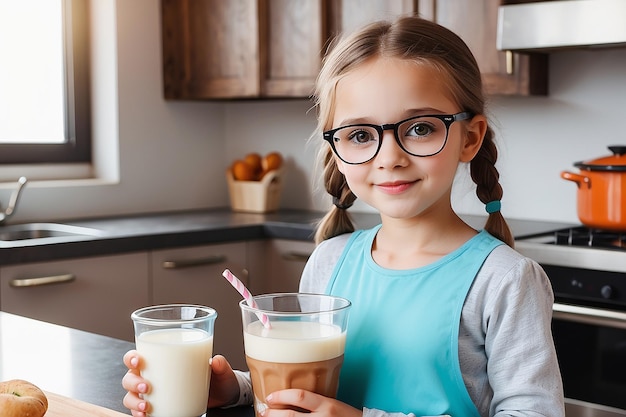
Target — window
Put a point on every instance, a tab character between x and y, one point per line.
44	82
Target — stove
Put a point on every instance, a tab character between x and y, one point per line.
593	238
585	266
587	271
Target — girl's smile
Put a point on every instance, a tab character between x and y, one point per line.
395	187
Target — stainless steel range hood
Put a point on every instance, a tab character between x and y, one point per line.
563	24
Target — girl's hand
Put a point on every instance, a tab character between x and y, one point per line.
224	389
317	405
135	385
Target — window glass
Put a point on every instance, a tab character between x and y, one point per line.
32	98
42	54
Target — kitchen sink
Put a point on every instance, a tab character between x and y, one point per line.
50	232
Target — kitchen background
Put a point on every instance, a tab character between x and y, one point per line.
156	155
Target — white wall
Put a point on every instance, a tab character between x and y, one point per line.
172	155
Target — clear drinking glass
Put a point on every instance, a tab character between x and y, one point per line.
175	342
302	345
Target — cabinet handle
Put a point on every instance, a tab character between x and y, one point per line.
509	62
39	281
187	263
296	256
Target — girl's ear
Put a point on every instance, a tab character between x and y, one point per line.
474	136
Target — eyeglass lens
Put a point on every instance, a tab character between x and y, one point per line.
419	136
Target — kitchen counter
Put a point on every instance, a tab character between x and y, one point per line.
73	363
169	230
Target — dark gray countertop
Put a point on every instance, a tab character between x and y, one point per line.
178	229
73	363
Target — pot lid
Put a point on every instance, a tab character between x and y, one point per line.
615	162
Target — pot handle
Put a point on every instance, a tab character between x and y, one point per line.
618	150
577	178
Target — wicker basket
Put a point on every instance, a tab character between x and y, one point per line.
255	196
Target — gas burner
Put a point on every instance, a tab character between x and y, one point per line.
583	236
586	266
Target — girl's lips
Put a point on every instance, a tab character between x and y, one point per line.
396	187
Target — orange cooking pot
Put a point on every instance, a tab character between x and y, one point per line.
602	190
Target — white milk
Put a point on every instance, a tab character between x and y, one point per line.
176	364
294	341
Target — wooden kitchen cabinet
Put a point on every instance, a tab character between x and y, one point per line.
215	49
349	15
241	49
95	294
194	275
291	43
475	21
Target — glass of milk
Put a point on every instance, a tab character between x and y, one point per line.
294	340
175	342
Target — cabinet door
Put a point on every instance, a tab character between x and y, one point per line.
210	48
349	15
291	46
215	49
94	294
194	275
284	261
475	21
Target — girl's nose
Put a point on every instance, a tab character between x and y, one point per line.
390	154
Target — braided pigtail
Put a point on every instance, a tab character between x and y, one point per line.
488	188
337	221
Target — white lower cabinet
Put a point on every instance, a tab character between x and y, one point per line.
95	294
194	275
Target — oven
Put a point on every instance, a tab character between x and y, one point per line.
587	270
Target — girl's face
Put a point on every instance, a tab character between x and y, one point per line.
399	185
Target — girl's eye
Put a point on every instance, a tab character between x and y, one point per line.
361	136
419	129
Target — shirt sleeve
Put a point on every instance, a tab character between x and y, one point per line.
522	366
245	389
321	264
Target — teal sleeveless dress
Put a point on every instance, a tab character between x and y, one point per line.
402	341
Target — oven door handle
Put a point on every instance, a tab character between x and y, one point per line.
589	315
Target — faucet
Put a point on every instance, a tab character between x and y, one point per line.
13	200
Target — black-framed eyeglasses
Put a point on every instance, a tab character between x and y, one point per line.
418	136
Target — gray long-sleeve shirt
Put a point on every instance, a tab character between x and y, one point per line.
506	352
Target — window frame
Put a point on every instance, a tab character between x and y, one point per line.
77	148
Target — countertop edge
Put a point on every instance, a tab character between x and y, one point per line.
124	234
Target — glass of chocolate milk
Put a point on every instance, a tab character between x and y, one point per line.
294	340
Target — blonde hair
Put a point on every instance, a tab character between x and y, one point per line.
425	42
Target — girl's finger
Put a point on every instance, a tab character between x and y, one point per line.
133	382
131	359
295	397
137	405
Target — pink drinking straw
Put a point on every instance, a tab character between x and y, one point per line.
235	282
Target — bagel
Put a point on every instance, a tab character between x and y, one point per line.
19	398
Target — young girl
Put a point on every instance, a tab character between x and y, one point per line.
445	319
